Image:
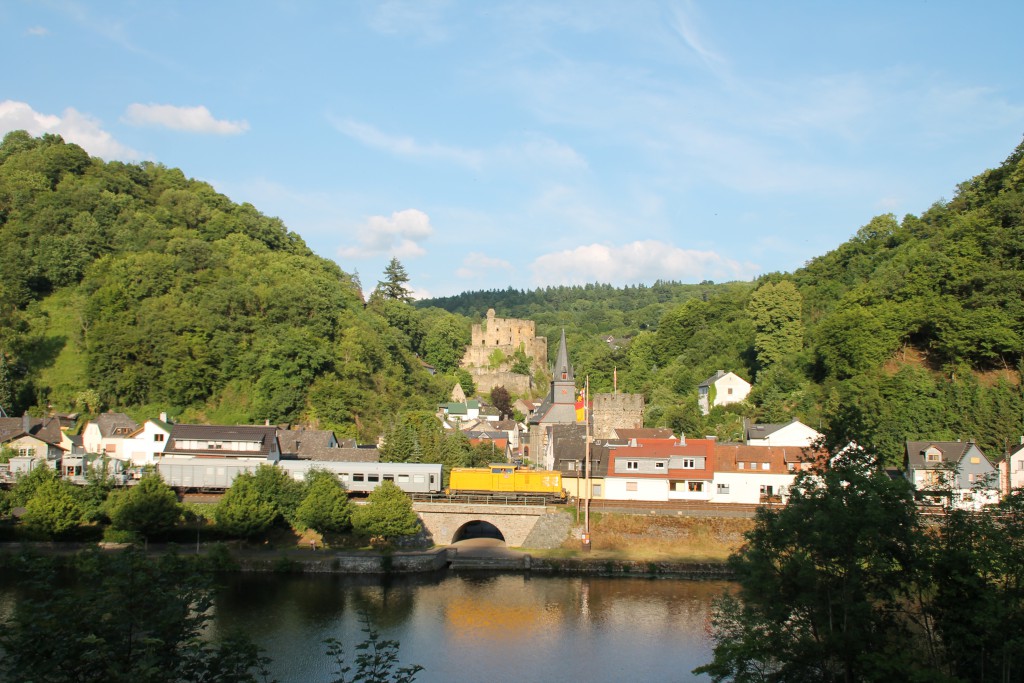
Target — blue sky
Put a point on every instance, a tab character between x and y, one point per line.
490	144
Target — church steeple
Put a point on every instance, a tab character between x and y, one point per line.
563	368
563	382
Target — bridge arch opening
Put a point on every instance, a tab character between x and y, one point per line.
478	528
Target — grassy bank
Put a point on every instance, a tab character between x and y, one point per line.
656	538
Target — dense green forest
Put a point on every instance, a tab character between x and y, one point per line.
132	287
913	328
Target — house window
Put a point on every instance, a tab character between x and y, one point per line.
30	452
632	464
933	456
596	491
740	465
158	437
723	489
689	463
729	391
659	465
764	466
631	486
970	478
790	466
766	490
695	486
975	460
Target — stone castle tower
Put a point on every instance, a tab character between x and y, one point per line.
616	411
505	335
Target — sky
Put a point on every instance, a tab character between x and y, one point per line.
490	144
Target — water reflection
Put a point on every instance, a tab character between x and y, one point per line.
482	627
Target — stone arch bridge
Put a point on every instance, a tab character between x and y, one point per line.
446	521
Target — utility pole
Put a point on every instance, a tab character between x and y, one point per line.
586	489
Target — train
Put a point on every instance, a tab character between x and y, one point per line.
508	481
217	474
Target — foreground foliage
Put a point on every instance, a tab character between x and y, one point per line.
125	619
844	584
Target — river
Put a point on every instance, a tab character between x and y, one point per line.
471	627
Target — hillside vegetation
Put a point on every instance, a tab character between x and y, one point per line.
132	287
913	328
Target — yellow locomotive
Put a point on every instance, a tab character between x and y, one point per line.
506	480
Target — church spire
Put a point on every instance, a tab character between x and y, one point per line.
563	368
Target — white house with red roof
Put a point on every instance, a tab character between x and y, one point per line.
755	474
660	470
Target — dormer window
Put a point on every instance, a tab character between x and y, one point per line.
933	454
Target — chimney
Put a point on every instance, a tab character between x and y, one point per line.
26	423
266	422
163	417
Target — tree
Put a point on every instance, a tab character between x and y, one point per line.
278	488
243	511
393	286
827	584
54	508
375	662
388	513
325	507
149	508
978	603
138	621
501	401
445	343
776	310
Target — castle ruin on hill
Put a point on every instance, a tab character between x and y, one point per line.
490	355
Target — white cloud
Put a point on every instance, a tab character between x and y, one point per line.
400	235
642	261
38	31
406	146
477	265
190	119
685	27
73	126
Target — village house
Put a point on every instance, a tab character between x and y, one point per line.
147	442
660	470
793	433
107	433
242	443
32	441
755	474
721	389
1011	469
954	473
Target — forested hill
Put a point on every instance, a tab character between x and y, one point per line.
912	329
131	287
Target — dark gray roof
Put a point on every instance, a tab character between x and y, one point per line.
952	452
762	431
115	424
346	454
712	379
43	428
266	437
301	442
